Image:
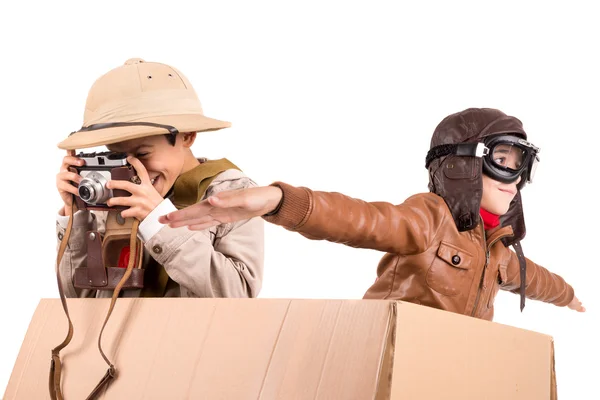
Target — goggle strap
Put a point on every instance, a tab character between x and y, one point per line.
459	149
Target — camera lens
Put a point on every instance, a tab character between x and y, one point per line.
92	188
85	193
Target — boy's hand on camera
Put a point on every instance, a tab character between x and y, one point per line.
64	180
144	197
576	305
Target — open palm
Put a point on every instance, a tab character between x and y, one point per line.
225	207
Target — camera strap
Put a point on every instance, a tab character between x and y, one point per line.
104	276
55	363
104	269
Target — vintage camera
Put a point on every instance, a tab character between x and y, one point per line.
99	169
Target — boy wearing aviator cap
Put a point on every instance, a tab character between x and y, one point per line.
448	248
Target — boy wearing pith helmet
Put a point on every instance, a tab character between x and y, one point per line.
147	114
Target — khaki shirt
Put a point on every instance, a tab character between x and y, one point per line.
223	261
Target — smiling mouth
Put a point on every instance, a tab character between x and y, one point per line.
153	180
508	191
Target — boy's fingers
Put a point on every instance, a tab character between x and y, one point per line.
123	185
172	216
69	161
139	168
129	213
67	187
120	201
69	176
196	211
228	199
201	211
207	219
216	201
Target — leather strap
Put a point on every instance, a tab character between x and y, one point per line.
55	363
110	375
111	372
95	265
522	271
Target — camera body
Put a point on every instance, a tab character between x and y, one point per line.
98	170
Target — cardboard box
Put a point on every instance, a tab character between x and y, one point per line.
282	349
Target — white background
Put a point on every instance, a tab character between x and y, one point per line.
334	96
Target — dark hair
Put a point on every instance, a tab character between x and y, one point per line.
171	138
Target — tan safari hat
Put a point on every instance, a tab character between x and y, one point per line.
139	99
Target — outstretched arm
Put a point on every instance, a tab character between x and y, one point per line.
541	285
404	229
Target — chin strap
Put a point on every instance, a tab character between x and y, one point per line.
522	272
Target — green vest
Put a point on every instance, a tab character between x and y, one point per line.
189	188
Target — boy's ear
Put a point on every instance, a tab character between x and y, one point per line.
188	139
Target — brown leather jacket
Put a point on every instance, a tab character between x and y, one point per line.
428	260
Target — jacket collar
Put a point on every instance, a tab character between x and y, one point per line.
498	232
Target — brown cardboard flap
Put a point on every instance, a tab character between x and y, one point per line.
173	348
209	349
443	355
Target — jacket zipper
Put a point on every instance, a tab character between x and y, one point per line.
487	260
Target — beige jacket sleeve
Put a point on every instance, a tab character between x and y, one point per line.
224	261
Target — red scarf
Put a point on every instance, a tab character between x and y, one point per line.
489	220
